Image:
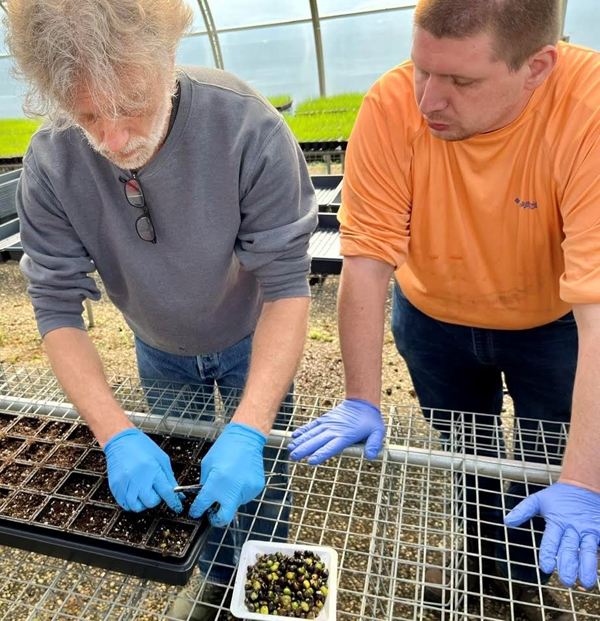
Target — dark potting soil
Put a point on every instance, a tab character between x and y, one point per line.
171	537
53	430
103	494
9	446
26	426
6	420
14	474
65	456
94	519
181	449
131	527
45	479
36	452
23	505
78	485
57	512
94	461
81	435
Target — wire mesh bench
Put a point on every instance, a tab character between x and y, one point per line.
390	519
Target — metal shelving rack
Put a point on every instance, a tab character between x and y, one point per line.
389	519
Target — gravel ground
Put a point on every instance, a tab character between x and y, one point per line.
320	373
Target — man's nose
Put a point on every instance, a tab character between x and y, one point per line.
433	98
114	137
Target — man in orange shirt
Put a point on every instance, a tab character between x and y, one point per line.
472	174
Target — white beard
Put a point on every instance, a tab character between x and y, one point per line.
145	147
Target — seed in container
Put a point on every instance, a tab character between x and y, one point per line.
287	585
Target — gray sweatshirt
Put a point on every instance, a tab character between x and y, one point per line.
232	204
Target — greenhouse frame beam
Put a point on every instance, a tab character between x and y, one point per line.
314	11
212	32
305	20
564	18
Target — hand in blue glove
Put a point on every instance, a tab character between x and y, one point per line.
572	532
232	473
354	420
139	472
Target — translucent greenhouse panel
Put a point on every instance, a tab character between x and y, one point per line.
235	13
583	22
3	48
11	92
276	60
195	50
329	7
359	49
198	23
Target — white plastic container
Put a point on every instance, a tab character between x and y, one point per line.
248	557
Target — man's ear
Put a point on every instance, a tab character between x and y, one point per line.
540	66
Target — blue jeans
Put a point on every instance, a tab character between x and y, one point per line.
458	369
164	375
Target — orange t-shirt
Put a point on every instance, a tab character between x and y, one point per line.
498	231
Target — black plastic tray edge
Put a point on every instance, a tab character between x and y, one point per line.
71	548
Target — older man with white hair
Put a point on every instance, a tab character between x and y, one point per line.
186	191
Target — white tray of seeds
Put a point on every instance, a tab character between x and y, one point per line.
284	567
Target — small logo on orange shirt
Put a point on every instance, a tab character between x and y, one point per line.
526	204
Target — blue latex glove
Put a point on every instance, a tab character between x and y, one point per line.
232	473
572	532
354	420
139	472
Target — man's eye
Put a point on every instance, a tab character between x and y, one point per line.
462	82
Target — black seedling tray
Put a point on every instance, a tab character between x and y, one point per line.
55	500
327	187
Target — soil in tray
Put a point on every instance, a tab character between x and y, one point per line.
156	438
23	505
131	527
178	468
8	446
57	512
36	452
93	519
171	538
53	430
65	456
78	485
181	449
6	420
45	479
26	426
15	474
81	435
103	494
192	476
93	461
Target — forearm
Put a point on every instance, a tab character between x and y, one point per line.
581	464
78	369
276	351
361	319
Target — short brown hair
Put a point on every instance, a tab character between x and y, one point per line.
519	27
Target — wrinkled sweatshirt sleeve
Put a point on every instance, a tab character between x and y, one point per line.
55	260
278	216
